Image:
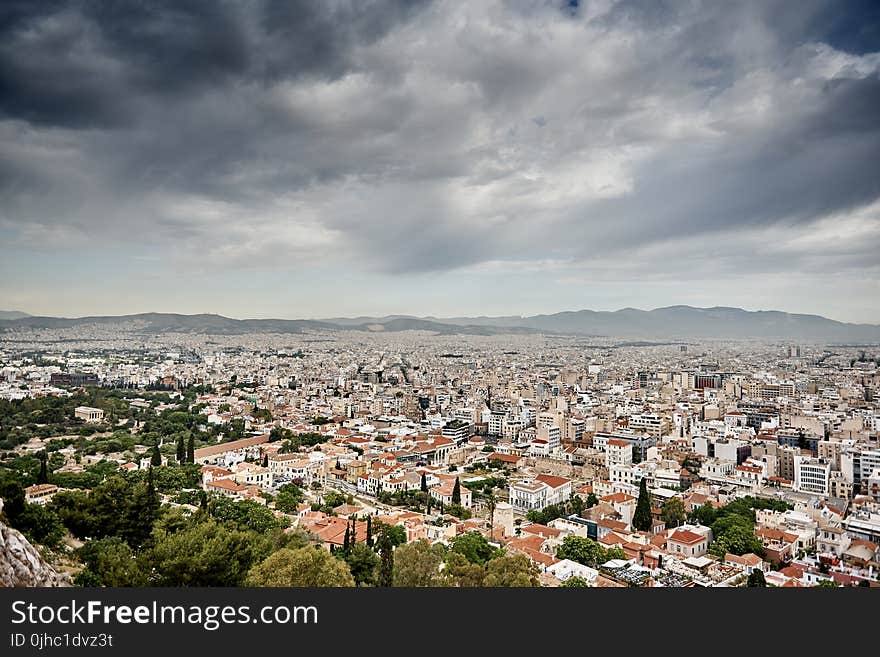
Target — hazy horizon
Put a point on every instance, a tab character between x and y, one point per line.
332	159
407	314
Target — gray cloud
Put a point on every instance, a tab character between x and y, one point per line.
409	137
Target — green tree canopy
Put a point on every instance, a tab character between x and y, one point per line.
475	547
673	512
110	562
462	573
575	582
418	564
204	553
582	550
289	497
511	570
363	562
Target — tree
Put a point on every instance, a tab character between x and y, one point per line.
347	538
362	562
575	582
756	579
491	503
156	458
673	512
141	513
386	554
370	531
181	449
704	515
424	483
456	492
458	511
585	551
592	500
827	584
289	497
40	524
460	572
203	552
110	562
511	570
43	474
307	566
735	534
191	449
577	504
12	495
475	548
396	533
642	515
245	514
418	564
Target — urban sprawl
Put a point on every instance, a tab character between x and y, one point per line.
413	459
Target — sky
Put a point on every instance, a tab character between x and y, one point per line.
339	158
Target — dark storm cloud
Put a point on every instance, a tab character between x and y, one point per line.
78	63
420	137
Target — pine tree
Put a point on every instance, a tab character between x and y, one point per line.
456	492
191	449
642	516
181	449
43	475
156	458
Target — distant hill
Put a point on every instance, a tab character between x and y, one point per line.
675	322
174	323
12	314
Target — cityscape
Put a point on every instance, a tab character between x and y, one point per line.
426	294
137	457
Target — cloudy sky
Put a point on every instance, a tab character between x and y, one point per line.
315	159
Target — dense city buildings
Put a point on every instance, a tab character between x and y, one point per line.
685	463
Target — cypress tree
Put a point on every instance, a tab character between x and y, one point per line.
456	492
756	579
141	512
424	483
43	475
155	459
181	449
369	531
191	449
642	516
346	539
386	563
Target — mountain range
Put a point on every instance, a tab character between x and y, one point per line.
678	322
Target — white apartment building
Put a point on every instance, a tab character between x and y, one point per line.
811	475
618	453
542	491
649	423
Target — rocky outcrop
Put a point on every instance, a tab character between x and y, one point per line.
21	563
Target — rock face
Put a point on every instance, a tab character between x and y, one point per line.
21	563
